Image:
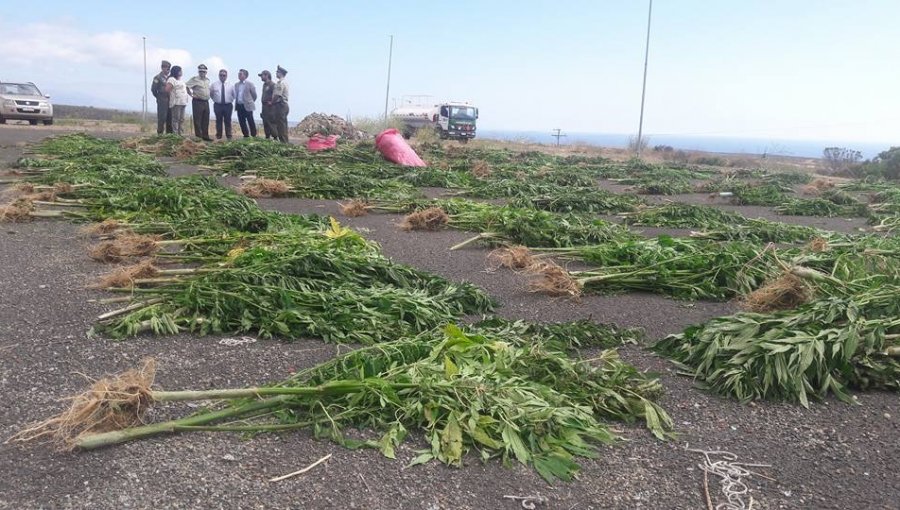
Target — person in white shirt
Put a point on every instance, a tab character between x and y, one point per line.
245	103
178	98
222	94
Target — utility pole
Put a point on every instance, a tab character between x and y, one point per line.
387	92
144	113
644	87
558	135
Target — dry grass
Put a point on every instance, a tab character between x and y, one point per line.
785	292
63	187
112	403
433	218
354	208
187	148
818	245
516	258
20	189
549	278
265	188
125	276
123	247
42	196
817	186
16	211
481	170
106	226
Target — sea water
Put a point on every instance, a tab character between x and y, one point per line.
717	144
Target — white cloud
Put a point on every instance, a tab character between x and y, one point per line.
54	43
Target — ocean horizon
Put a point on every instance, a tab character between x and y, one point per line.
715	144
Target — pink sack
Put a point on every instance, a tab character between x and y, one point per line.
320	143
393	147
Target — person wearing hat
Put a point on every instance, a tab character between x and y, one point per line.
268	89
245	103
280	107
198	89
158	89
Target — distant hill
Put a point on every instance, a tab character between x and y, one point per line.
65	111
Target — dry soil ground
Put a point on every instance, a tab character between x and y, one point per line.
830	456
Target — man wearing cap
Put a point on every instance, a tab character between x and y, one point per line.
266	99
245	103
198	89
222	94
158	89
280	107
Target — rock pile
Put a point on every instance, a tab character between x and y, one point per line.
322	124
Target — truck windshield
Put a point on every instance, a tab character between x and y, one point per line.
462	112
19	89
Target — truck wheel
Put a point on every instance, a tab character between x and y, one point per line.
441	134
2	120
48	122
33	122
463	140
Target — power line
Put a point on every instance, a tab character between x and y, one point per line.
558	135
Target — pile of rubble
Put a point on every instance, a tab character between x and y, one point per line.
322	124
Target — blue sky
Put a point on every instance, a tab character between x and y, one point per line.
799	69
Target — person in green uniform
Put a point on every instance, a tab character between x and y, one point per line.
266	114
198	89
158	89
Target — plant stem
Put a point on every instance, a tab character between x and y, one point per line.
94	441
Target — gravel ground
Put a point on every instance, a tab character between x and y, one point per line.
830	456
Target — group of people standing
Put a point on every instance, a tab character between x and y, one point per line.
172	94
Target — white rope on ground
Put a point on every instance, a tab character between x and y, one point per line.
731	475
234	342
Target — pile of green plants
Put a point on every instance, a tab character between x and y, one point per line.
820	207
717	224
268	273
700	269
681	268
498	389
579	200
661	186
295	283
825	347
652	179
758	194
504	224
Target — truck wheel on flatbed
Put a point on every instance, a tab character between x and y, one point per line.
463	140
48	122
33	122
2	120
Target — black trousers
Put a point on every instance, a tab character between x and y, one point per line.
245	119
200	111
163	117
223	115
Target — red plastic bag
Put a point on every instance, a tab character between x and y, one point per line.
320	143
393	147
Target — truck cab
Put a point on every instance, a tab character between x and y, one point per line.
451	121
455	121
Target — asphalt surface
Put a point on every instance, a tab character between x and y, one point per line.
832	455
